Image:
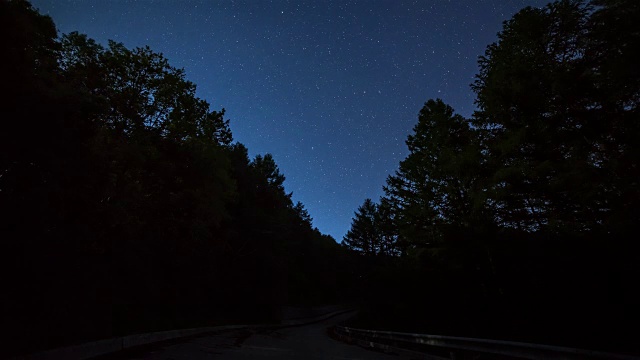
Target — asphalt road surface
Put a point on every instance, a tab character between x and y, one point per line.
300	342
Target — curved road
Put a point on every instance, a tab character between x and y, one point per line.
300	342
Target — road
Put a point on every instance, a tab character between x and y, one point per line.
300	342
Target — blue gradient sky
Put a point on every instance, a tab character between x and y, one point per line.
330	88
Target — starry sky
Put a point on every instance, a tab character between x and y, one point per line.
330	88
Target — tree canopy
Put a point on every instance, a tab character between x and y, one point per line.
538	189
128	207
126	204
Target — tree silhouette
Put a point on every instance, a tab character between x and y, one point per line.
364	235
556	117
528	207
126	205
433	185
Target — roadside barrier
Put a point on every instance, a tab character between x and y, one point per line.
447	347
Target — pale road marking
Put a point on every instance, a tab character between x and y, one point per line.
264	348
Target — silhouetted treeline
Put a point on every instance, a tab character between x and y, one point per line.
126	205
520	222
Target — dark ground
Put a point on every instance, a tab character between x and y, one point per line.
299	342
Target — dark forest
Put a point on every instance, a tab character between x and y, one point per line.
128	207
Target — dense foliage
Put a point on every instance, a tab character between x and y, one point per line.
127	206
518	222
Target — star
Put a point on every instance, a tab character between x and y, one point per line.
311	77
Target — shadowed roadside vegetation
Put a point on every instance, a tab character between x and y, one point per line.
520	222
127	206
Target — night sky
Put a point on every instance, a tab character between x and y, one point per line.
330	88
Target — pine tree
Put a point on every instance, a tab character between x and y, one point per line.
363	236
432	186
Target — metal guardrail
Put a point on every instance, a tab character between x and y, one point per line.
448	347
